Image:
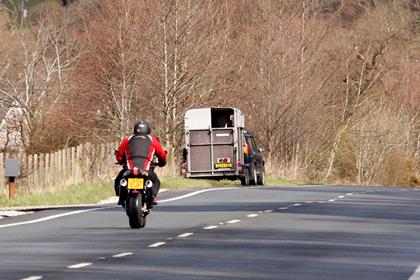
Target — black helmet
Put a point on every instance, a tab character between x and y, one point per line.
141	128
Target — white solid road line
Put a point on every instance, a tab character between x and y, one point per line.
252	215
157	244
107	207
32	278
195	193
210	227
416	274
54	217
233	221
79	265
185	234
122	255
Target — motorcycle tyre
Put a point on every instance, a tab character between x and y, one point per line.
136	217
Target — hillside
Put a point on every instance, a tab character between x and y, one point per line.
329	87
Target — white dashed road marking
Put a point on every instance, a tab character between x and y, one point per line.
331	200
79	265
341	196
122	255
297	204
283	208
252	215
268	211
33	278
210	227
349	193
185	234
233	221
157	244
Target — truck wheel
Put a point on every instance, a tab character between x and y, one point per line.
245	179
261	178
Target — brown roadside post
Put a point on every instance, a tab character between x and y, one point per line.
12	170
12	188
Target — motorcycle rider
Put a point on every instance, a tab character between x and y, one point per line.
138	150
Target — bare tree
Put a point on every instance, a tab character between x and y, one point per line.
33	75
189	46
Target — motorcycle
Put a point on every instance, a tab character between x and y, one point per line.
138	196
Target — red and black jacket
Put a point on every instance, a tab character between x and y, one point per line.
139	151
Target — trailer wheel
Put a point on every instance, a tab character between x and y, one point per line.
245	179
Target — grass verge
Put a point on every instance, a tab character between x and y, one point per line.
89	193
86	193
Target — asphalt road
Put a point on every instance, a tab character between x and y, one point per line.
314	232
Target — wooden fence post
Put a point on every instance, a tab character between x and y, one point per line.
54	168
35	172
73	165
30	172
47	171
78	164
2	178
41	178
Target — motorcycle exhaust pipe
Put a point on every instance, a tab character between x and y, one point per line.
123	183
149	184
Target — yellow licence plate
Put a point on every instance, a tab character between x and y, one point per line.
223	165
135	183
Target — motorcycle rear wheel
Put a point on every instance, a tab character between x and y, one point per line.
136	217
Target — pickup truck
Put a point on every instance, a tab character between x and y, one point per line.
218	146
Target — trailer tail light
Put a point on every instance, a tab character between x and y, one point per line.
223	160
223	163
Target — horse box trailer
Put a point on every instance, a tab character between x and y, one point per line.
217	146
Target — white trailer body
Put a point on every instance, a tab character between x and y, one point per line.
214	139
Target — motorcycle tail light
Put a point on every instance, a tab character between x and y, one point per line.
135	171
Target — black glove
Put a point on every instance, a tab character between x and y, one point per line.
161	163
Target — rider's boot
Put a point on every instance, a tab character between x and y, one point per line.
154	200
123	196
